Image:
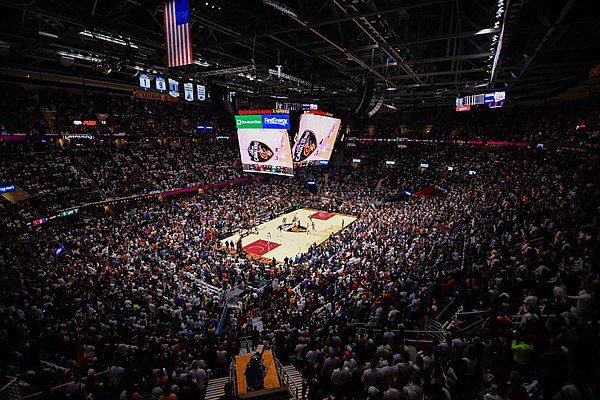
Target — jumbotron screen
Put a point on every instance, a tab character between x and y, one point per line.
315	140
266	151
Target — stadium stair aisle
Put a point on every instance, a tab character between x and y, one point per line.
82	171
295	380
144	170
214	390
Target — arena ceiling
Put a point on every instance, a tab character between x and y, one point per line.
409	51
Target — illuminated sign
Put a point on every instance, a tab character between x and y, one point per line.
390	162
205	127
77	122
248	121
262	121
463	108
69	136
68	212
89	123
255	112
356	160
478	99
7	188
281	121
316	112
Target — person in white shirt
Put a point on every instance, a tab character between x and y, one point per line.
340	378
373	375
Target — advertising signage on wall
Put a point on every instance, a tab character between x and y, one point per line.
261	121
248	121
281	121
485	98
138	94
7	188
87	136
255	112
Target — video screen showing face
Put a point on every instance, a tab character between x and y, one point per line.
266	151
315	140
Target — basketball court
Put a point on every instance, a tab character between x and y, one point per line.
295	237
270	371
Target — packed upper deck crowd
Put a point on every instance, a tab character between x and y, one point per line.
36	110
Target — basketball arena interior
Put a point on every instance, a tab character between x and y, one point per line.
299	199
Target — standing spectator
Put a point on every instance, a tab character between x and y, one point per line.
189	390
340	379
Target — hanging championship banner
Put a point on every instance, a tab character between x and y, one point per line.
201	94
188	91
160	84
173	88
145	81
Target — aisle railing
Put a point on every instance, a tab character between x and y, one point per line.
38	395
11	390
286	379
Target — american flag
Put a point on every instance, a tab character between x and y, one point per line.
178	38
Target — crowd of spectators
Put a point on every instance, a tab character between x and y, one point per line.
49	110
130	292
115	172
134	290
50	177
574	121
19	110
215	160
57	178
